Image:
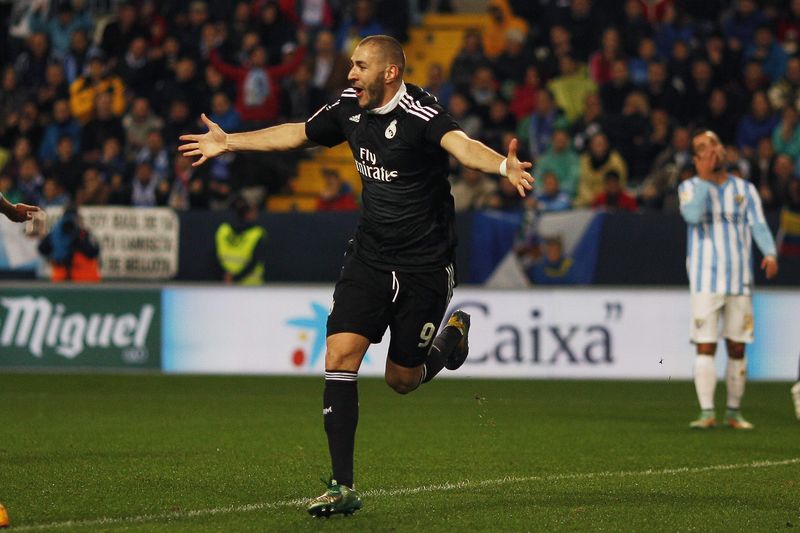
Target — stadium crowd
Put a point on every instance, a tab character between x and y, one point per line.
602	95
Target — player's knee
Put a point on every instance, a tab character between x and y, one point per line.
735	350
399	385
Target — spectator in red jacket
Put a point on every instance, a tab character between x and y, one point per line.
257	87
337	194
613	197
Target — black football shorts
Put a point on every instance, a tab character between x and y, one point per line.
411	304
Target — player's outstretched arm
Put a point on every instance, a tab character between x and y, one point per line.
216	141
474	154
17	212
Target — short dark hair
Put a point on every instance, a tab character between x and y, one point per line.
390	47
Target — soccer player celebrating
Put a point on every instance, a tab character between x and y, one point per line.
724	215
16	212
399	269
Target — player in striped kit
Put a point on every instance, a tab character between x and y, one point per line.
724	216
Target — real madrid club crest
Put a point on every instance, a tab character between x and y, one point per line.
391	130
739	198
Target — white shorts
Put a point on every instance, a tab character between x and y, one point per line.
736	313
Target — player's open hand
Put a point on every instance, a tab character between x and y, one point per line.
206	145
770	266
516	170
21	212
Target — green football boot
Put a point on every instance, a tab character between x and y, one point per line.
459	320
735	420
338	499
706	420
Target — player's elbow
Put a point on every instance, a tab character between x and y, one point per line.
691	216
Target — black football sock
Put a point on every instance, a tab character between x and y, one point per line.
444	343
340	416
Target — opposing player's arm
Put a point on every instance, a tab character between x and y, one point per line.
16	212
761	232
474	154
216	141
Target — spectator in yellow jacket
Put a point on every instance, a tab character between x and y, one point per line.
84	90
596	162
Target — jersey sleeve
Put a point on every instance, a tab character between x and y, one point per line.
323	127
439	125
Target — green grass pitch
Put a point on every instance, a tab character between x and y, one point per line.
192	453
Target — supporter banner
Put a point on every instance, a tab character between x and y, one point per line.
80	328
521	334
135	243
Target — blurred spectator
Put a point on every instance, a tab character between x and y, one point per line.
786	91
515	53
240	247
507	197
585	23
188	186
768	52
147	191
551	267
182	85
119	33
179	121
59	28
62	125
29	182
71	250
761	174
679	64
724	63
562	161
614	92
11	95
483	90
755	125
154	153
635	27
613	197
190	33
275	31
789	27
85	89
462	113
498	122
786	135
659	89
789	232
138	123
360	24
598	161
31	63
224	114
593	121
550	197
698	91
55	88
337	194
536	130
632	137
136	69
93	190
600	62
53	194
638	65
523	100
300	98
753	80
66	167
103	125
330	66
660	134
673	28
472	190
111	160
721	117
438	85
468	60
23	123
571	87
502	21
21	150
783	176
740	24
258	93
76	57
119	190
663	178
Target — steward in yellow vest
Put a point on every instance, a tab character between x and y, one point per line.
240	247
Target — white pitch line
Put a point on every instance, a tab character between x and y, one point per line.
443	487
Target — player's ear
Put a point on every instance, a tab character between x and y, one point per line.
392	73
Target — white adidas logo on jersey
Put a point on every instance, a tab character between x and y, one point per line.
355	118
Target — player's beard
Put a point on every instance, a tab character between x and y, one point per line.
374	92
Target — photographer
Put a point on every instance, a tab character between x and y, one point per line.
71	250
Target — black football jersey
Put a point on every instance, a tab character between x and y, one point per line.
407	220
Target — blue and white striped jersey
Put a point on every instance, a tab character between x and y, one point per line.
719	246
